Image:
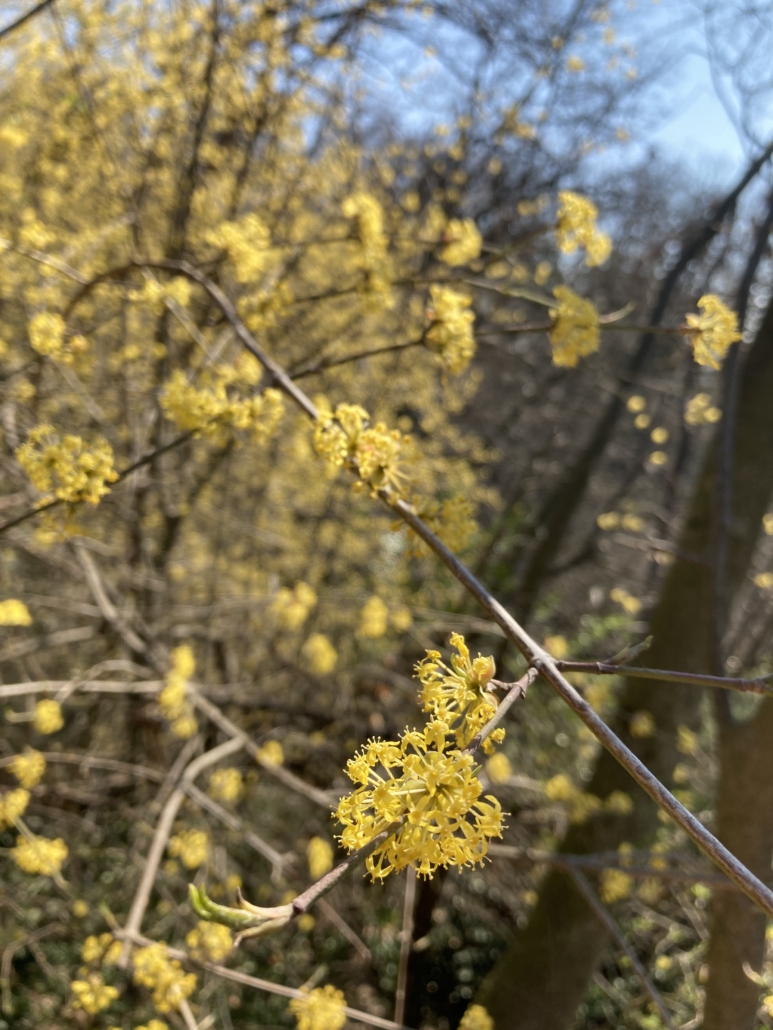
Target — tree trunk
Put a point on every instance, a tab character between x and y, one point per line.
542	978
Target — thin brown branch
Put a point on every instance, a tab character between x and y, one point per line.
745	686
27	16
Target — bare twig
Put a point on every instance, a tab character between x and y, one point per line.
746	686
406	940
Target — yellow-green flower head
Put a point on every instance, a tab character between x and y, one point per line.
575	332
48	716
66	465
210	942
713	331
476	1018
28	768
576	227
14	613
92	994
154	969
463	242
320	1009
191	847
319	855
375	453
458	696
436	793
450	334
12	806
39	856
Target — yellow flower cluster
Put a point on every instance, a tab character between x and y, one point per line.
173	700
450	332
476	1018
102	950
319	855
247	243
319	654
436	795
28	768
271	753
642	725
209	942
713	331
48	716
576	226
499	768
226	785
463	242
292	606
14	613
700	411
191	847
46	332
452	521
458	697
39	856
153	1024
320	1009
575	332
155	293
373	452
65	465
627	601
370	229
615	886
373	618
92	994
580	805
163	976
13	805
210	410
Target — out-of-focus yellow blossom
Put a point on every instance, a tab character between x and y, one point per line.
580	805
13	805
542	272
636	404
463	242
65	465
659	435
14	613
319	855
401	619
209	942
92	994
226	785
700	410
320	1009
557	645
319	653
712	331
28	768
48	716
374	617
80	909
155	293
436	794
627	601
39	855
764	580
575	331
306	922
173	701
450	334
767	524
608	520
46	332
292	606
374	452
451	520
576	227
476	1018
248	243
163	976
103	950
499	768
458	696
374	260
191	847
210	411
152	1024
687	741
618	803
642	421
615	886
658	458
635	523
642	724
575	64
271	753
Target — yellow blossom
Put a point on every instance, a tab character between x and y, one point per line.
272	753
153	1024
476	1018
28	768
558	646
576	226
373	258
373	618
211	411
375	453
575	64
659	435
767	524
65	465
575	331
191	847
457	696
658	458
104	950
618	803
580	804
80	909
498	768
451	520
764	580
92	994
48	716
226	785
642	421
463	242
713	331
319	855
173	701
635	523
319	653
292	607
13	804
636	403
642	724
163	976
687	741
700	410
627	601
39	855
608	520
320	1009
209	942
247	242
14	613
450	332
46	332
615	886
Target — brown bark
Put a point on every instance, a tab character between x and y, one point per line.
541	979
